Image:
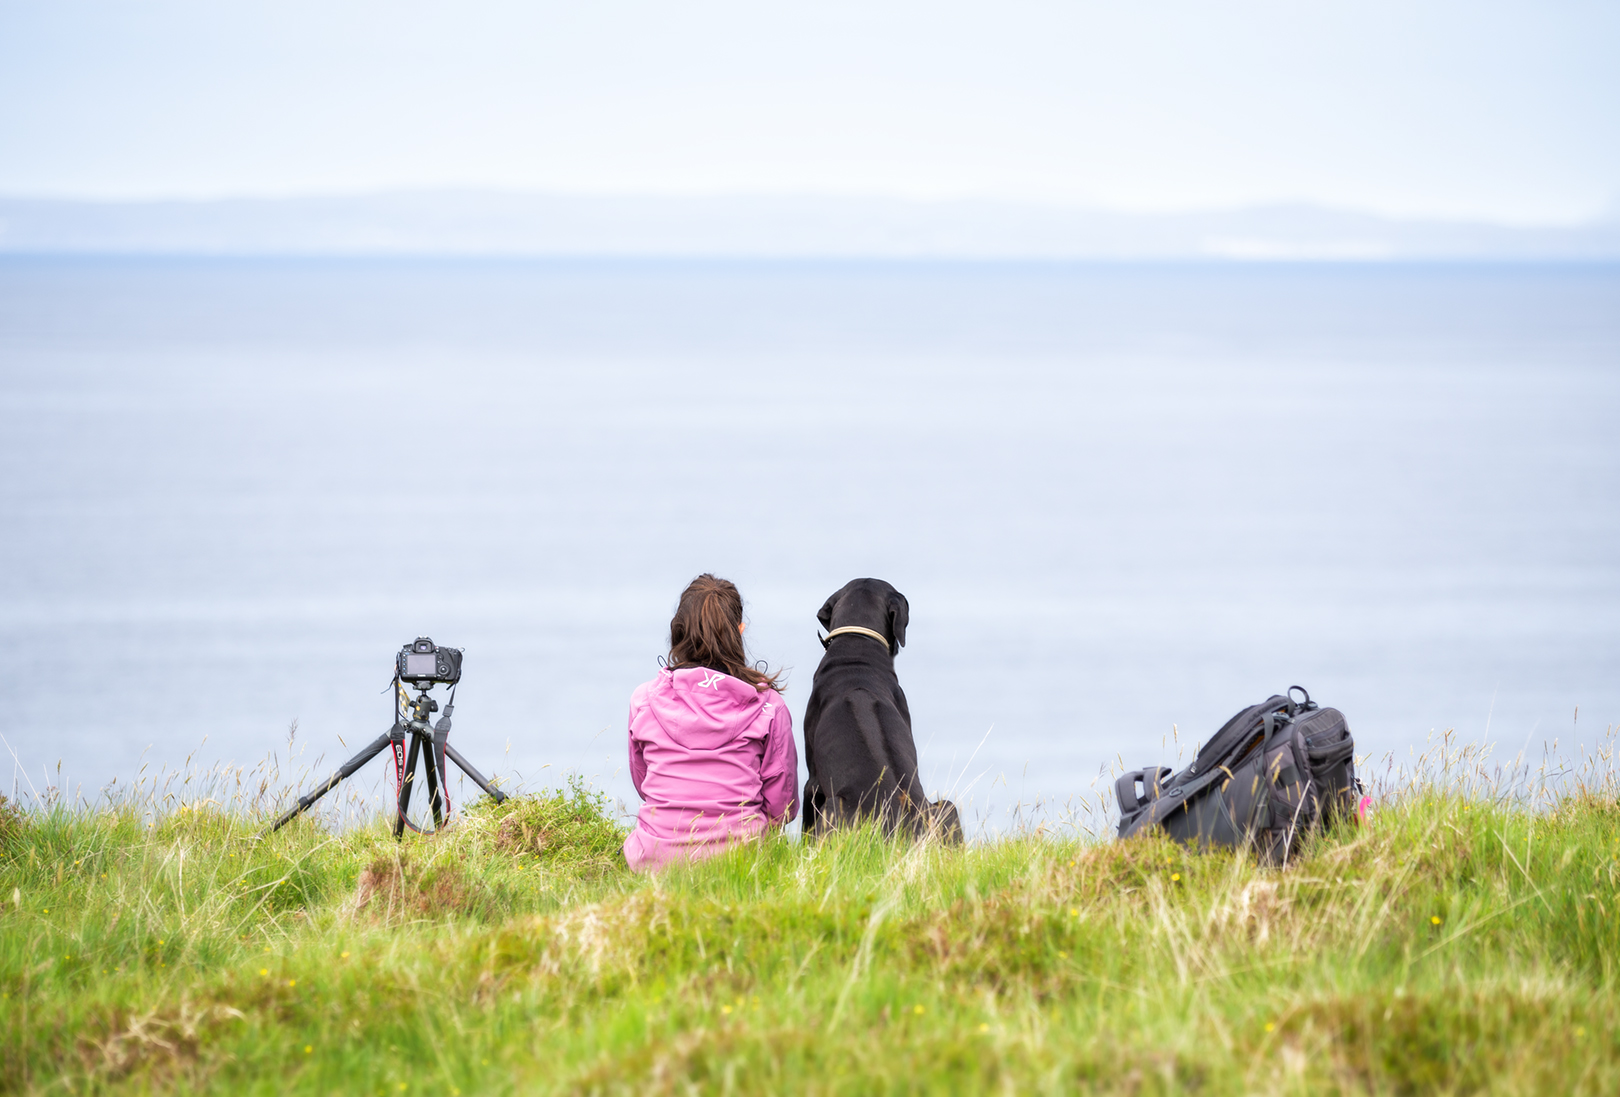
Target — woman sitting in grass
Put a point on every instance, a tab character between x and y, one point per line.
711	743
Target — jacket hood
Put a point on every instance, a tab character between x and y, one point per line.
704	708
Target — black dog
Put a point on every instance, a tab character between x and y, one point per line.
857	728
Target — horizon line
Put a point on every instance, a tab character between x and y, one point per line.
1606	218
789	258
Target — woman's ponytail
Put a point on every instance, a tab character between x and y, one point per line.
705	632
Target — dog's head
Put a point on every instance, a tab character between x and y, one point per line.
869	603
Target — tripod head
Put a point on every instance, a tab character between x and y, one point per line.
422	705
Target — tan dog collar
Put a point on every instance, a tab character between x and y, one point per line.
857	630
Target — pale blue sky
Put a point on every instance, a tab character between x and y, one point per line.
1504	111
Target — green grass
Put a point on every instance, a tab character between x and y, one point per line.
1453	945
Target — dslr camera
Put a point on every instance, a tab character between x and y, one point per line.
422	663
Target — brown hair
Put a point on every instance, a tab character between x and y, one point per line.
704	632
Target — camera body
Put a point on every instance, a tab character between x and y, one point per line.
422	663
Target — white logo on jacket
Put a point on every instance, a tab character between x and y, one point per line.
712	681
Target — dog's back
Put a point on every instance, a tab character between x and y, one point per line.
857	727
857	740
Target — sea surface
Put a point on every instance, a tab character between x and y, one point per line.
1123	500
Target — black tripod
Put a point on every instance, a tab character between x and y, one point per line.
434	737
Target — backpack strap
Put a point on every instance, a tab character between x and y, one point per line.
1151	778
1160	808
1125	792
1236	732
1173	798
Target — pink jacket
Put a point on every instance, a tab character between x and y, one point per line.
713	758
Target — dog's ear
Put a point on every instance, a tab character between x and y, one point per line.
899	617
824	615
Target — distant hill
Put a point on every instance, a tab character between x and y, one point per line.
490	223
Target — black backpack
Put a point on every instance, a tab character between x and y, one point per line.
1274	771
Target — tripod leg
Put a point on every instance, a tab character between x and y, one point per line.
430	770
405	786
343	773
478	778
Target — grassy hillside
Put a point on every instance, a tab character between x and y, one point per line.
1449	946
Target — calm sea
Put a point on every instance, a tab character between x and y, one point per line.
1119	498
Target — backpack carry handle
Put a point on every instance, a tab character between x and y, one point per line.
1304	706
